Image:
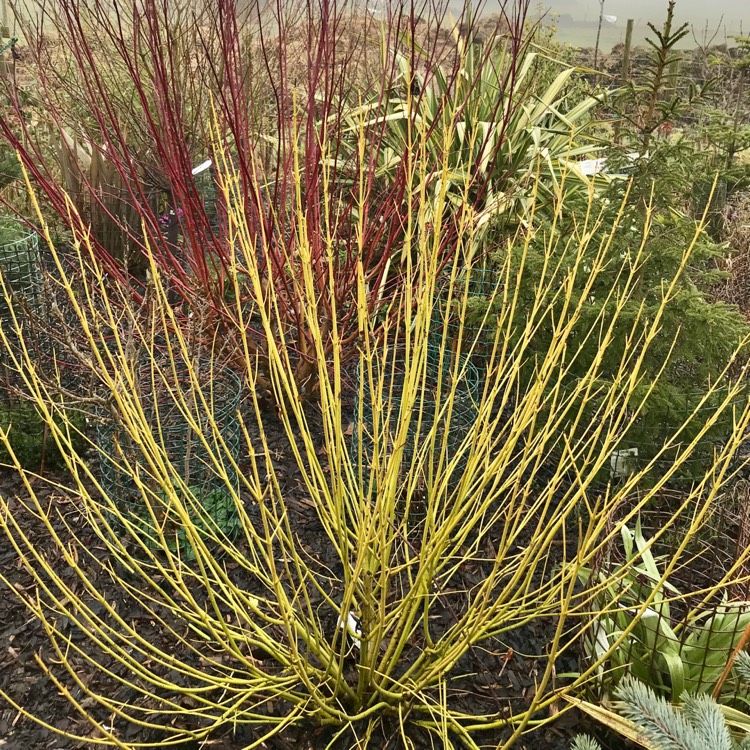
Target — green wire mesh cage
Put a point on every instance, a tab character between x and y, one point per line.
436	431
467	316
20	263
664	430
22	273
200	461
205	182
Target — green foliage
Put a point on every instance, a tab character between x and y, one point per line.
698	336
669	658
652	100
688	132
698	724
726	133
30	440
742	666
10	232
211	512
10	170
724	127
493	122
743	60
585	742
649	110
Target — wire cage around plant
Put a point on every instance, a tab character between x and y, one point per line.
20	263
30	279
56	327
22	272
686	624
380	406
205	182
216	210
200	462
470	327
660	435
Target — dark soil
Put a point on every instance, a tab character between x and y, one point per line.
499	677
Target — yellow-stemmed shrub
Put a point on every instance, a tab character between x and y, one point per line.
255	628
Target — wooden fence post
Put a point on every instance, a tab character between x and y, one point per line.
626	52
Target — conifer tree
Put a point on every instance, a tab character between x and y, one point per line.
698	335
698	724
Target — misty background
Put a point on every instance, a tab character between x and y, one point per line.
693	11
576	20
